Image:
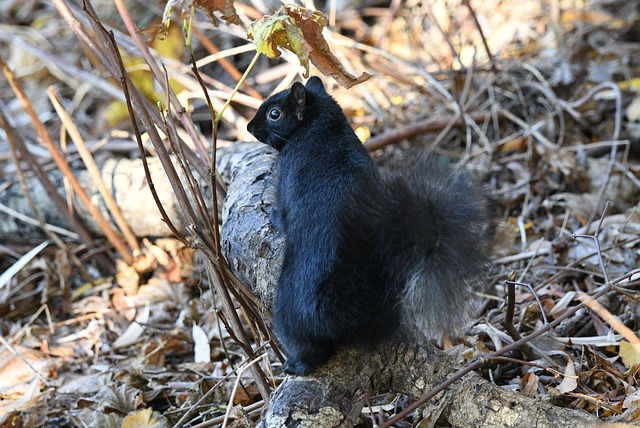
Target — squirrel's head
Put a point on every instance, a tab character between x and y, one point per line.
283	113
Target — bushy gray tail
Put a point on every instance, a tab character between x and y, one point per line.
437	236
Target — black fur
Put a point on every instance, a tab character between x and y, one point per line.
360	244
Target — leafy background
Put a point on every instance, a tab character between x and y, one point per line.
538	99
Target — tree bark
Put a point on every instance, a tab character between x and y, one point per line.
334	395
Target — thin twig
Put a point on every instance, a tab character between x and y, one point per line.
93	169
38	221
535	296
609	318
205	397
484	39
64	166
424	126
57	62
149	59
51	190
145	165
596	241
49	230
225	63
148	116
24	360
527	363
237	382
608	286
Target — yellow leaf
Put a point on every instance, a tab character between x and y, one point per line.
300	30
396	100
279	29
171	44
363	133
630	84
630	353
146	418
518	144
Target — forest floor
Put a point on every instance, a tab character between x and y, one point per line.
539	100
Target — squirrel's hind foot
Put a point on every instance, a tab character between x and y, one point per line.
306	360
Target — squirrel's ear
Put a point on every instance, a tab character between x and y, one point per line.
298	97
314	83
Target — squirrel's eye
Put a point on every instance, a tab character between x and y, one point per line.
274	114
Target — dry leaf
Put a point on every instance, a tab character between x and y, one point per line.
84	384
570	381
146	418
229	14
133	332
201	347
300	31
529	383
518	144
168	42
127	277
633	110
363	133
632	400
593	17
185	10
15	374
630	353
631	83
123	304
101	420
17	266
24	400
123	399
239	418
280	30
247	395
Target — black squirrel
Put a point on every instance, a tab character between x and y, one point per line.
364	249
